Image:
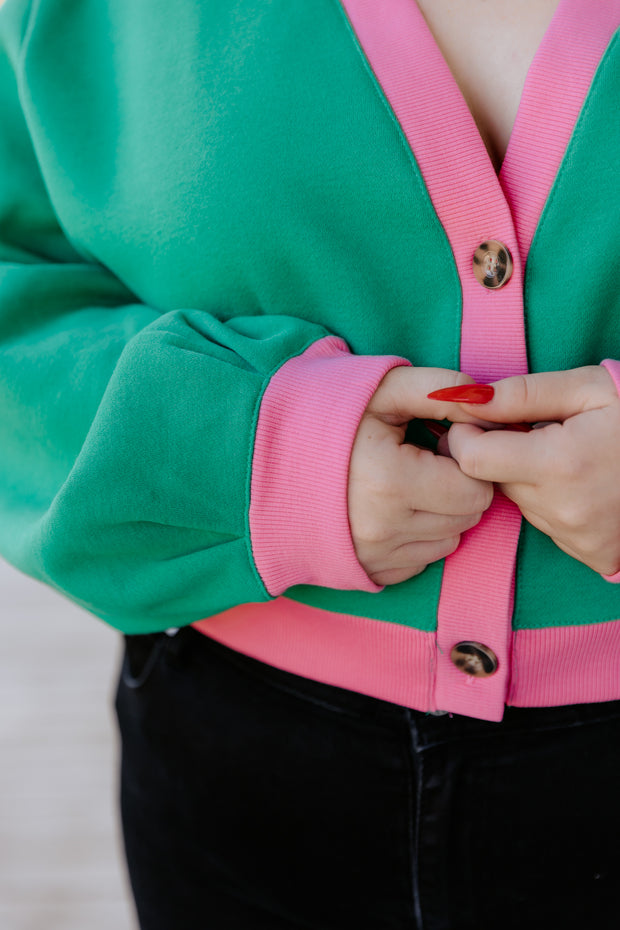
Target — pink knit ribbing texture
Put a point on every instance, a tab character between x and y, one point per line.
308	419
476	602
566	665
383	660
554	92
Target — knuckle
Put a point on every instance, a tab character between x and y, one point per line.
566	468
449	546
370	532
379	485
484	497
417	570
527	390
391	576
469	462
471	521
574	515
609	565
380	578
589	547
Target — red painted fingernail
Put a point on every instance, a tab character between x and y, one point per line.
435	429
519	427
465	394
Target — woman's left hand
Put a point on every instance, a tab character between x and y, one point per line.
564	476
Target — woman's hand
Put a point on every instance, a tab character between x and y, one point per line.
564	476
408	506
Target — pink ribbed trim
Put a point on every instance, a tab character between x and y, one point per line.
383	660
476	605
566	665
456	168
613	367
555	89
306	427
476	595
477	592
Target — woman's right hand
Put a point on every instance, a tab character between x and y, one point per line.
407	505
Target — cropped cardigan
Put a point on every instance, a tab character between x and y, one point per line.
220	226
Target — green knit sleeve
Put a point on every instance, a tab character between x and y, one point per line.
115	416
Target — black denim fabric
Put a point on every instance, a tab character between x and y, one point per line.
253	799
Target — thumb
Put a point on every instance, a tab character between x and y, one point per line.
549	395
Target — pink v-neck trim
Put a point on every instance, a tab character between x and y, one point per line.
457	171
473	205
471	201
563	69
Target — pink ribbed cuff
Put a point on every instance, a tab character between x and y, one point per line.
613	368
308	419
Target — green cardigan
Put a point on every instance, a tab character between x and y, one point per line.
191	198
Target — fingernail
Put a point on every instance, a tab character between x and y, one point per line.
435	429
519	427
465	394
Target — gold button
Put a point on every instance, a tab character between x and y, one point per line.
492	264
474	659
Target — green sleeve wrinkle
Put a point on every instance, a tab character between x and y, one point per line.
126	431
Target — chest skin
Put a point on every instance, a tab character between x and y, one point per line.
489	46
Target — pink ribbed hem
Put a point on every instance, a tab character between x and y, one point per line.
567	665
383	660
613	367
308	419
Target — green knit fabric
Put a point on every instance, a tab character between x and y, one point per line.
189	197
572	300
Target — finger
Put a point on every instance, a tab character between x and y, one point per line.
426	527
503	456
566	544
550	395
402	395
435	483
412	560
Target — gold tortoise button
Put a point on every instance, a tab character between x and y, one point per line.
474	659
492	264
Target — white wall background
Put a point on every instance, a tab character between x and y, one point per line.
61	866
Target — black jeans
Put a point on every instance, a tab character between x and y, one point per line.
252	798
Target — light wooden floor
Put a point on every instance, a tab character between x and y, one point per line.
60	861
